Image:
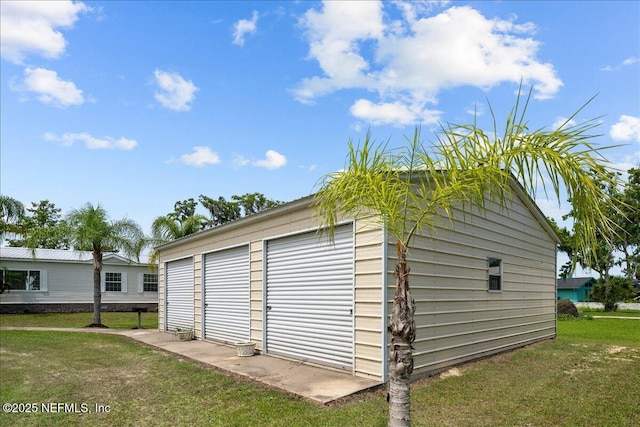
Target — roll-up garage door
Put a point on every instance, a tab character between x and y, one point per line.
226	297
310	297
179	294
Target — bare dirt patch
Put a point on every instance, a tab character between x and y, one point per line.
455	372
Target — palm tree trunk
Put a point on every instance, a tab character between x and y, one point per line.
97	291
402	328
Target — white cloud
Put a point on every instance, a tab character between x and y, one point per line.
393	113
272	160
91	142
563	121
629	61
174	92
244	27
240	160
407	62
201	156
50	88
32	27
627	129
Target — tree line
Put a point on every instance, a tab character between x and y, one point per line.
620	247
43	226
89	228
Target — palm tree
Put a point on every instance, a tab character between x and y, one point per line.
170	227
407	190
90	229
11	210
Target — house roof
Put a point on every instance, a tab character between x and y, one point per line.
61	255
574	282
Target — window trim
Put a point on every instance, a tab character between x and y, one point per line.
43	279
491	261
142	283
103	281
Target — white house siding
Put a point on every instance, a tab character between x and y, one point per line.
72	283
457	318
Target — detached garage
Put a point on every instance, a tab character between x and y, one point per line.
483	285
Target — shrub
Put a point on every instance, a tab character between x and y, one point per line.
566	308
615	290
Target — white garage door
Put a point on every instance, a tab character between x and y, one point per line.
310	298
226	297
179	294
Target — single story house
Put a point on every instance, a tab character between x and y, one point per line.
576	289
482	285
53	280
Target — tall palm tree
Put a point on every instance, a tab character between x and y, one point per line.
407	190
90	229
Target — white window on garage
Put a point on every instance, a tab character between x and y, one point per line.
495	274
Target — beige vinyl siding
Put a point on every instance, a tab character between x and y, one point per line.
457	318
368	274
369	317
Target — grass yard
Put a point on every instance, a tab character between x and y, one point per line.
589	376
78	320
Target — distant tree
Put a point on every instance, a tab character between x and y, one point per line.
611	291
628	242
91	229
566	246
43	227
600	256
221	210
11	210
254	202
184	209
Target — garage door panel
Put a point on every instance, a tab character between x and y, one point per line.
179	294
226	295
310	297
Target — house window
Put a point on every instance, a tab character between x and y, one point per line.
21	280
150	282
113	282
495	274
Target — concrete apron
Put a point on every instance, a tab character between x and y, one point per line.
320	385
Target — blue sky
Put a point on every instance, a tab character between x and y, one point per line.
136	105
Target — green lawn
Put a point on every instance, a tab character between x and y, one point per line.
79	320
587	377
